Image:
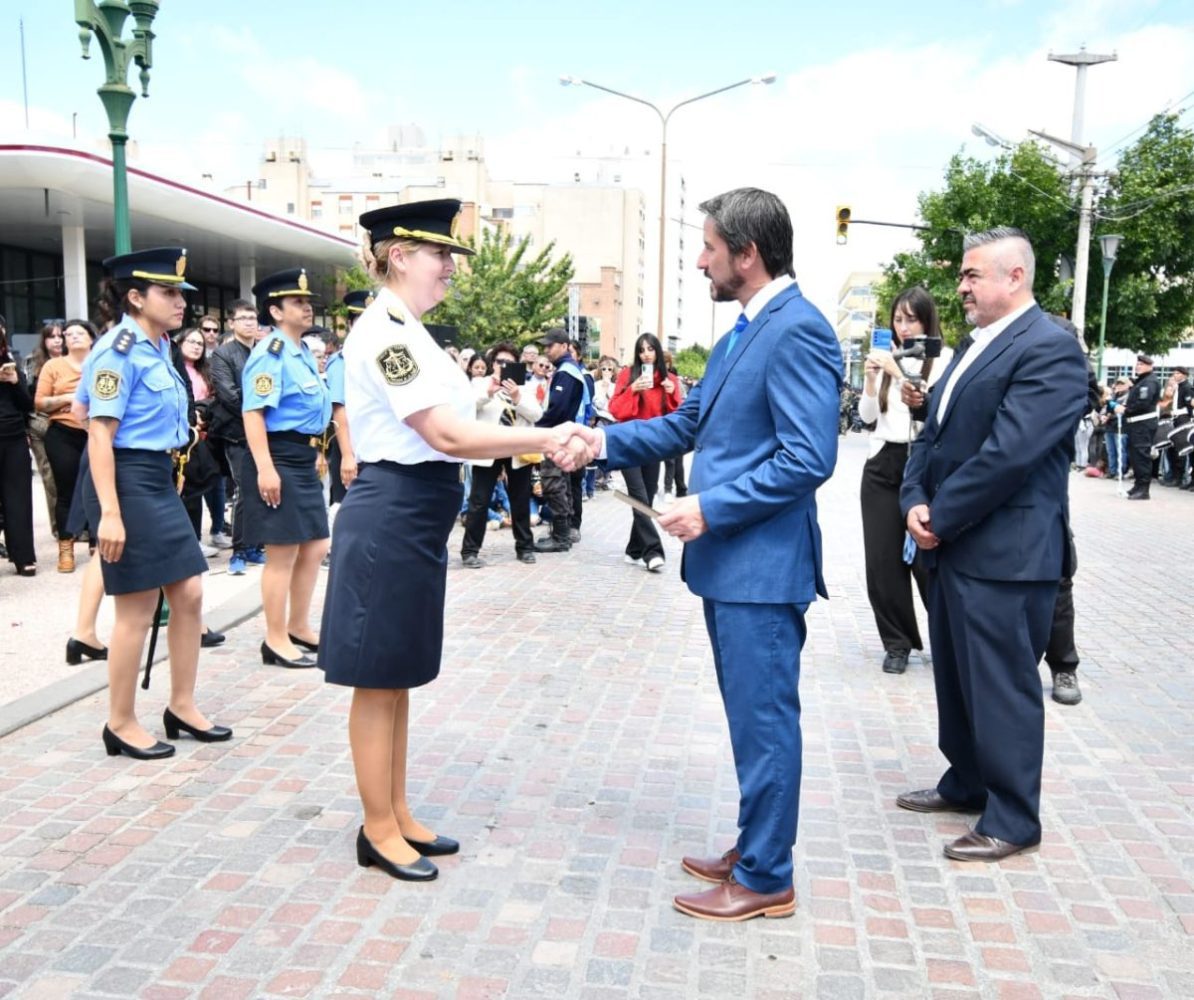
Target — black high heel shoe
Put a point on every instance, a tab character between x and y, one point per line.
421	871
174	725
303	644
272	659
434	848
116	746
76	650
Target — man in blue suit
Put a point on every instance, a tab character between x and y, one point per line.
985	495
762	426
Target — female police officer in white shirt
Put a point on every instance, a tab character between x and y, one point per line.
411	409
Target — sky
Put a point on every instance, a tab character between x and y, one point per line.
870	101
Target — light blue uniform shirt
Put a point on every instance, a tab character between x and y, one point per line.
127	379
334	373
282	379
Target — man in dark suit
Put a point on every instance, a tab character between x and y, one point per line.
762	426
985	496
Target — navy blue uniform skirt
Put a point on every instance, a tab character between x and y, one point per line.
160	546
301	516
383	617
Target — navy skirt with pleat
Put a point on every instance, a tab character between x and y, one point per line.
301	516
383	616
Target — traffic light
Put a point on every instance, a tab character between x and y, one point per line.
843	223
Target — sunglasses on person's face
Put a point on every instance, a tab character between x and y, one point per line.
211	329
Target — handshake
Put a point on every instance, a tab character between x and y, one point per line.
573	446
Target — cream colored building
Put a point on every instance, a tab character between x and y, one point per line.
601	226
857	305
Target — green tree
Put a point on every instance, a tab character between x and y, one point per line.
1150	201
690	362
503	293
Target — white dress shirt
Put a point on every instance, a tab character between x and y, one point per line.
982	339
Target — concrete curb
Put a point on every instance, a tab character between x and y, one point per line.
87	681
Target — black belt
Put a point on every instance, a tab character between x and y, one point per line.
311	440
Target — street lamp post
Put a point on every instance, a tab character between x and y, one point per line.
105	20
664	117
1109	244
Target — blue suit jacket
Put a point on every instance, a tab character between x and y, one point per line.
762	426
995	471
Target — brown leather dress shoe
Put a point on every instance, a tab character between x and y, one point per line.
929	800
731	902
979	847
712	869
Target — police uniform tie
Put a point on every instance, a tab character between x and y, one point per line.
741	325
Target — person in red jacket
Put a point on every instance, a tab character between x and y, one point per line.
644	390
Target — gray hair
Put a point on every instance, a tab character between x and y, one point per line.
1018	243
749	215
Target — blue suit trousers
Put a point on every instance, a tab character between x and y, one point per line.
756	650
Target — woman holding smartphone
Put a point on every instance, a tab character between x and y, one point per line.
644	390
16	487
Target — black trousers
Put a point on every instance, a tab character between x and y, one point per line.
642	483
576	489
518	486
557	494
888	577
64	450
336	489
16	497
1140	443
673	475
234	453
1061	654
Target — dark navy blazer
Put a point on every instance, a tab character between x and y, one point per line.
995	471
762	426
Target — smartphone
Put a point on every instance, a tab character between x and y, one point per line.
516	373
881	340
649	370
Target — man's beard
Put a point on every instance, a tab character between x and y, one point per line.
725	291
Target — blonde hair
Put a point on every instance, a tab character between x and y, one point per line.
376	256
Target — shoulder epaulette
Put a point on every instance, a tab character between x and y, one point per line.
397	316
124	342
275	347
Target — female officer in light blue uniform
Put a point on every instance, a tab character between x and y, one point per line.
138	415
286	411
342	463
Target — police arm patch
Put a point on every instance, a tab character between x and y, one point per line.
106	384
397	364
263	385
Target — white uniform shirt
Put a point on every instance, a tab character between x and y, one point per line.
393	369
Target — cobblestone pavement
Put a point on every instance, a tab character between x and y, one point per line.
575	744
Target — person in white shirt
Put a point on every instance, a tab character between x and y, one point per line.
888	576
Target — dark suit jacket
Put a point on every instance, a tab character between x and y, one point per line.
995	470
762	426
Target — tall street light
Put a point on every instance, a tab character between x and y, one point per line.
664	117
105	20
1109	244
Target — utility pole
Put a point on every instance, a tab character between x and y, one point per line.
1082	157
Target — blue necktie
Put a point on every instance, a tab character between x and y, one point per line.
741	325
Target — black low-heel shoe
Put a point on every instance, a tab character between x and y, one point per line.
272	659
174	725
76	650
421	871
303	644
435	848
116	746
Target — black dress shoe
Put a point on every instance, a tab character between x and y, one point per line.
552	545
76	650
421	871
211	638
526	557
895	663
435	848
303	644
174	725
1139	496
116	746
979	847
272	659
929	800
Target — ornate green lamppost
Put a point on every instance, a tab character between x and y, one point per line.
105	20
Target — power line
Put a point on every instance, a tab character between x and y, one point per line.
1118	143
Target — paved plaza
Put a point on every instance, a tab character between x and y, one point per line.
575	744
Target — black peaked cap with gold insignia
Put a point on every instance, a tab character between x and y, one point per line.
283	284
358	301
159	266
430	221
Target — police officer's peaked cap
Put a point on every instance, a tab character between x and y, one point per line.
428	221
159	266
283	284
1144	359
358	301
